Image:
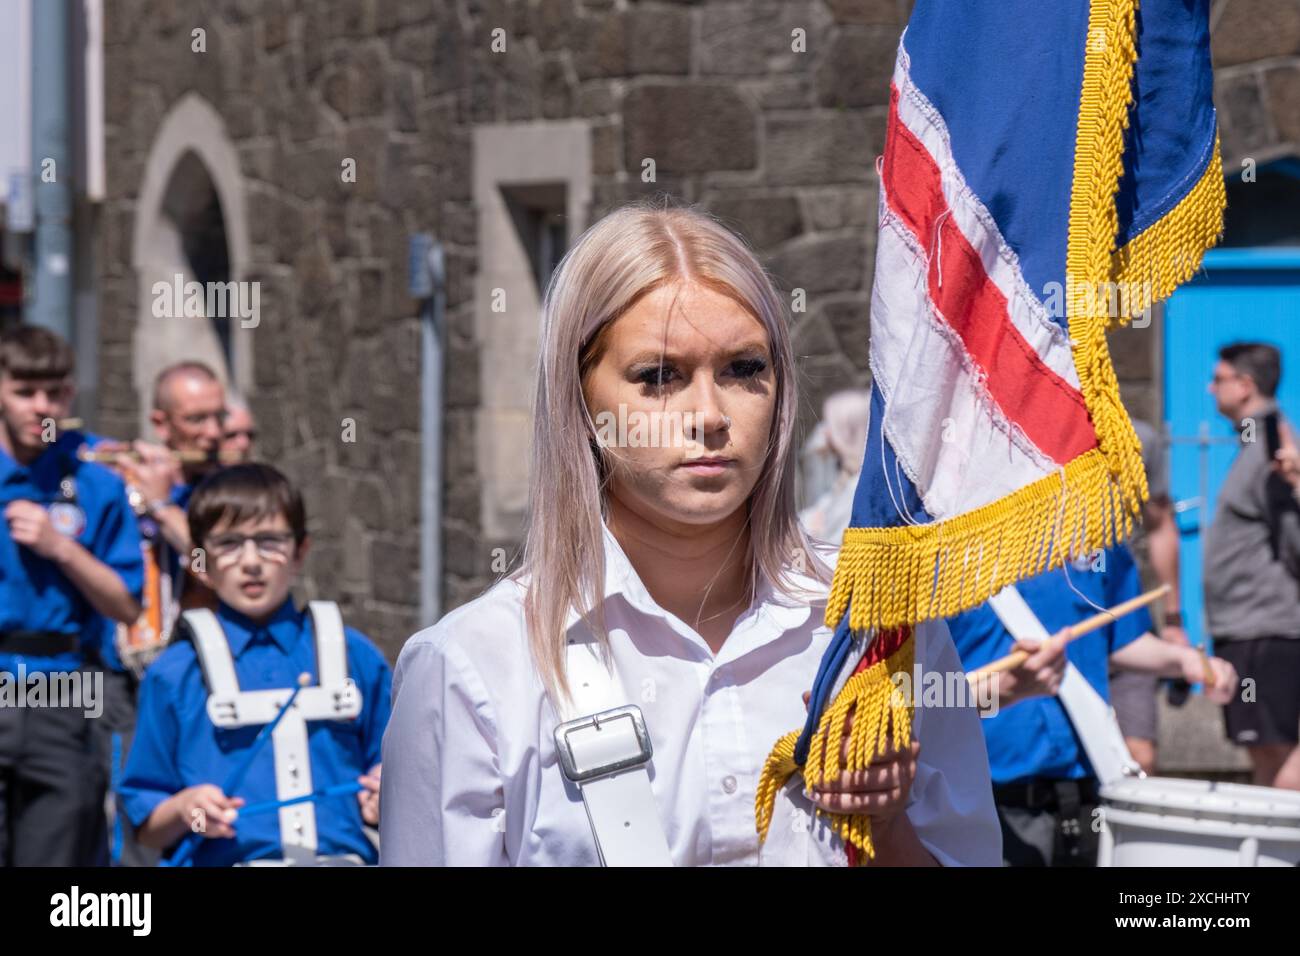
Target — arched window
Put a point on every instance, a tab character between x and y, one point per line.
191	227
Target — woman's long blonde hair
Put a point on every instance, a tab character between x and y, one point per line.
625	255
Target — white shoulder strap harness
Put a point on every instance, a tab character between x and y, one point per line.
335	697
605	749
1088	711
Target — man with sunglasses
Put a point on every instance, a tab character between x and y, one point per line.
1252	566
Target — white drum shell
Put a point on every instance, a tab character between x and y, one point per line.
1163	821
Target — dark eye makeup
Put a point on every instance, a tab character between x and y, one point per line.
656	376
748	367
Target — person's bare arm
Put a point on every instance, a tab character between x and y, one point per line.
1150	655
175	527
155	474
1162	541
29	525
1039	675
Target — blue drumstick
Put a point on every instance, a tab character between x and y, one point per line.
235	779
270	806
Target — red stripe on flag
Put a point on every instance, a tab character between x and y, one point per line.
1047	408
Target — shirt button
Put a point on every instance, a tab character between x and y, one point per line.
729	784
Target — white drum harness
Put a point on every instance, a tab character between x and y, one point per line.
334	697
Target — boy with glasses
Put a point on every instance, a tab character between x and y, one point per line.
205	699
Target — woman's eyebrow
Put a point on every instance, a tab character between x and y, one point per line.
656	355
652	357
748	349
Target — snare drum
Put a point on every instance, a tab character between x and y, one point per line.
343	859
1164	821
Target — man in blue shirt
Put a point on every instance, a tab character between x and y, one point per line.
69	556
1043	785
250	524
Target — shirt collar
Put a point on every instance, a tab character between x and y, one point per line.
59	458
782	612
284	626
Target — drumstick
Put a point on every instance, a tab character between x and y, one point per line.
1086	626
68	424
1210	679
235	778
271	806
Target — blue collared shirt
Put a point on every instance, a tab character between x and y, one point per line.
1034	737
35	595
177	746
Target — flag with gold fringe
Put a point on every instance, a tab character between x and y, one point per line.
1050	171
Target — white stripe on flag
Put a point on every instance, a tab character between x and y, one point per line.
1027	312
951	439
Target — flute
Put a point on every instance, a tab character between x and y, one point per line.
183	455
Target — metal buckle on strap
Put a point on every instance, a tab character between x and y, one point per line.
603	744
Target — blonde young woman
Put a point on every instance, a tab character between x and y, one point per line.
681	561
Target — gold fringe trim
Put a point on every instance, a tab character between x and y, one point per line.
917	572
1167	253
1094	222
881	716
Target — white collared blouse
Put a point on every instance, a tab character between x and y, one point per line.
471	776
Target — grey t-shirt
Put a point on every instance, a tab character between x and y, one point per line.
1252	550
1155	459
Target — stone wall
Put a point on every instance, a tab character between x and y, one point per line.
778	143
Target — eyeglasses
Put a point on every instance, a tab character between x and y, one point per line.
272	545
198	418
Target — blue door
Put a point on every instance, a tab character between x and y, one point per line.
1242	295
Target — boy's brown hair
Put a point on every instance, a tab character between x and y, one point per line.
30	352
245	493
